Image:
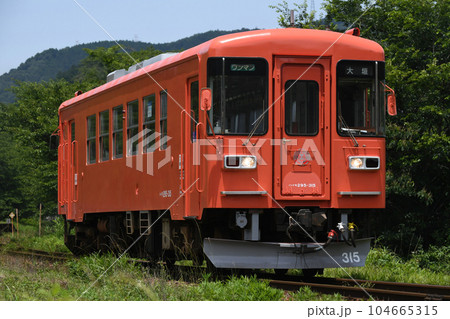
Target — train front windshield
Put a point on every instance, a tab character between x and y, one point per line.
239	90
360	98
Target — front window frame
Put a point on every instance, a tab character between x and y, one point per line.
226	70
371	78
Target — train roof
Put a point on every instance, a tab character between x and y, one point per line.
288	41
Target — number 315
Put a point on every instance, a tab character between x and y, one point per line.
351	257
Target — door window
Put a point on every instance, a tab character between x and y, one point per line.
301	107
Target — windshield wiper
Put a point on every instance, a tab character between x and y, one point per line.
350	131
353	130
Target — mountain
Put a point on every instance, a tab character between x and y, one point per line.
49	63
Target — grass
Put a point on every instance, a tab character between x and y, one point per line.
89	278
26	279
51	240
384	265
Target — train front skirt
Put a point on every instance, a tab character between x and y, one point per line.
237	254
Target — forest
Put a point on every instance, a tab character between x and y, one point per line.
415	37
59	63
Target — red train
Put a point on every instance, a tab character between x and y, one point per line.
258	149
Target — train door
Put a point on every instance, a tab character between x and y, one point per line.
302	95
190	130
68	166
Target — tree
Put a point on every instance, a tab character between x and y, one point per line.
302	19
30	122
415	36
10	196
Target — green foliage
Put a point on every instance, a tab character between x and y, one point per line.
242	288
383	265
104	277
30	166
436	259
10	196
51	239
306	294
415	36
302	18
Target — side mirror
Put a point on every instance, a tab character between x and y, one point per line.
205	99
392	104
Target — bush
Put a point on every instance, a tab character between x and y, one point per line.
436	259
242	289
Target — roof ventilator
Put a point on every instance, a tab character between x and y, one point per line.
119	73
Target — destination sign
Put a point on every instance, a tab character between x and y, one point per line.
242	67
356	69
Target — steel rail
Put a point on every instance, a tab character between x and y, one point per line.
377	289
39	254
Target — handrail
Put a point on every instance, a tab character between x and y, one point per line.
65	183
75	147
60	172
181	162
198	179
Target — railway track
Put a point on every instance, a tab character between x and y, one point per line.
367	289
353	289
57	256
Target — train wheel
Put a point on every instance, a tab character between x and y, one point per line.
70	243
309	273
280	272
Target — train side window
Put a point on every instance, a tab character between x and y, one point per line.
163	120
117	132
301	107
148	125
72	131
132	127
91	139
194	108
104	135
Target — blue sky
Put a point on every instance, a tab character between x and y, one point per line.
28	27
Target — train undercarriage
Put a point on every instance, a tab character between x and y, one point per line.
295	238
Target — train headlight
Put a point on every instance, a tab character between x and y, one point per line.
248	162
240	161
364	162
356	163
